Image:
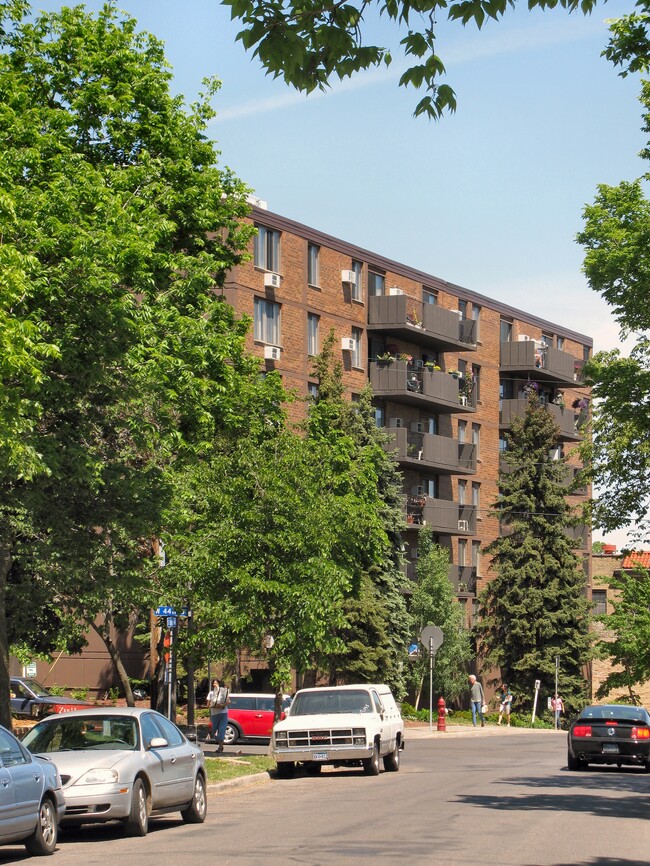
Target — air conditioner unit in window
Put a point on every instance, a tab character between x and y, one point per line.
394	290
272	353
463	525
349	277
458	313
418	490
418	364
271	281
396	422
418	427
348	344
523	338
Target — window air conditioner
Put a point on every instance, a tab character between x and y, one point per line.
395	422
418	427
458	313
349	277
395	291
418	364
463	525
348	344
523	338
272	353
418	490
271	281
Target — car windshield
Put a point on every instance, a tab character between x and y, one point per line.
89	732
39	690
331	701
630	714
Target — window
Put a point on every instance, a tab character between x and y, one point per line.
560	343
462	490
430	486
312	334
503	443
462	431
266	316
462	306
429	296
476	316
169	731
313	270
547	339
586	353
476	494
462	552
380	416
476	374
476	556
356	355
476	439
267	249
312	390
599	601
357	288
376	284
505	331
475	610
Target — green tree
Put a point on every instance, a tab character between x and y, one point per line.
627	646
535	608
118	358
433	602
308	43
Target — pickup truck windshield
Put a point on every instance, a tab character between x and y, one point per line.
331	701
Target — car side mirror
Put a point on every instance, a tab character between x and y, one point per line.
157	743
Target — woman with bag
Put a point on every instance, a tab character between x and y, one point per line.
218	699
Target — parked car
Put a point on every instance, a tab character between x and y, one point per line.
610	734
30	698
251	716
353	725
31	799
122	763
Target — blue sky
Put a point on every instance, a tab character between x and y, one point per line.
489	198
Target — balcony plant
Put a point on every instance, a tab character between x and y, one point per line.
385	358
431	365
454	373
412	318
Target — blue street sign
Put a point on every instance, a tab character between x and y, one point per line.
165	610
186	612
172	622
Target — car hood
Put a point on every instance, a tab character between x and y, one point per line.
75	763
327	720
63	700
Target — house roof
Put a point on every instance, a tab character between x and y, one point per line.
636	559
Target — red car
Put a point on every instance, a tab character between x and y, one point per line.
251	716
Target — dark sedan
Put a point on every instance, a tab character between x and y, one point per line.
30	698
610	734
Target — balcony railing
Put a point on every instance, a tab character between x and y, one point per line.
567	419
543	362
430	450
578	535
441	515
425	324
406	383
463	579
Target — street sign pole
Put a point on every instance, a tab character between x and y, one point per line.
555	714
537	687
432	636
431	654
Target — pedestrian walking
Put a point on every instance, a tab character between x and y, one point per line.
557	705
218	699
477	699
505	700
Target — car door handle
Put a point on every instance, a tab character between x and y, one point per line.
173	761
37	777
5	783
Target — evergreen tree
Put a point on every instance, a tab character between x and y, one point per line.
433	603
535	607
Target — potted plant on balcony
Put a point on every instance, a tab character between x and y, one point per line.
431	365
385	359
531	389
412	318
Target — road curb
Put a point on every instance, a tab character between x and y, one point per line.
240	781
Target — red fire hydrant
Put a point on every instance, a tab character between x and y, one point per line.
442	715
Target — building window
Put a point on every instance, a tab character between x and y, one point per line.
475	610
476	374
560	343
476	439
503	443
462	431
356	355
380	416
586	353
357	288
313	265
476	556
547	339
599	601
312	390
313	346
376	284
476	495
462	306
505	331
429	296
462	552
476	316
430	487
267	249
267	321
462	490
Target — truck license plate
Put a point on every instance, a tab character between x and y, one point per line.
610	748
319	756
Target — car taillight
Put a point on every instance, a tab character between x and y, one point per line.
582	731
609	722
640	733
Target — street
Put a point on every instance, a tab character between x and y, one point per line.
459	800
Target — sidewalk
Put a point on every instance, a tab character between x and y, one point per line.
421	730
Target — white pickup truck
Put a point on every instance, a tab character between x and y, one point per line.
353	725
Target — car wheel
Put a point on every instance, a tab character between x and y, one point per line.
285	769
371	764
198	808
43	839
137	822
313	769
232	735
573	763
391	762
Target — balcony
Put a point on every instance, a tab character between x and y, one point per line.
571	475
544	363
578	535
425	324
441	515
566	418
463	579
426	389
430	451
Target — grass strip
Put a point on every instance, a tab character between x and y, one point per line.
221	769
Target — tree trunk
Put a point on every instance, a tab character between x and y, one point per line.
5	565
104	631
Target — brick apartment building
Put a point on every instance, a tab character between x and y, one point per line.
449	369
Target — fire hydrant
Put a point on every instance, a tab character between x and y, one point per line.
442	715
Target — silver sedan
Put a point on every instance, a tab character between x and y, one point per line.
122	763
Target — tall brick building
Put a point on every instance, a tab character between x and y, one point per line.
450	368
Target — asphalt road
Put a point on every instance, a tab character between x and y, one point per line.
481	798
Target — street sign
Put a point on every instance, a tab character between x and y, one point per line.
172	622
414	649
432	637
30	669
165	610
185	613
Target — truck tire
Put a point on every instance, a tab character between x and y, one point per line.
371	764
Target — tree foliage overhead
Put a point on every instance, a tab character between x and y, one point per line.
308	43
535	607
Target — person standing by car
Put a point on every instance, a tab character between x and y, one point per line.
505	700
557	706
217	700
477	699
